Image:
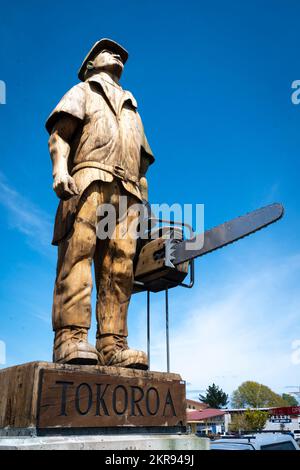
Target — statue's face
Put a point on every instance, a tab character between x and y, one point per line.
109	61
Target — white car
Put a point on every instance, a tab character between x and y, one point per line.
259	441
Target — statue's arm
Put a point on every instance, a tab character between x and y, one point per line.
59	147
143	183
147	159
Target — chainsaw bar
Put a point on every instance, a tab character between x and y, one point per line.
223	234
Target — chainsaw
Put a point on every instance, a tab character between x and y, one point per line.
165	259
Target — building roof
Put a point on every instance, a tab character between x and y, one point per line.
196	415
286	410
198	404
239	410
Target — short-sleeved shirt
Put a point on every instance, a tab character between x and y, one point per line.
109	141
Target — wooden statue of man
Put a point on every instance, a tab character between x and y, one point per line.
99	153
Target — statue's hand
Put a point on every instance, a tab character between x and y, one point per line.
64	186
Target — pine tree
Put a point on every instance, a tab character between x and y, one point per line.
215	397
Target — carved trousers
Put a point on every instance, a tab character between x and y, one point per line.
113	263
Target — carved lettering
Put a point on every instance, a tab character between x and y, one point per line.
98	400
137	395
152	391
63	401
80	392
124	400
100	403
169	402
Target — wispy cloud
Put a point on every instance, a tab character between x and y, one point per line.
44	317
242	330
271	194
26	217
40	311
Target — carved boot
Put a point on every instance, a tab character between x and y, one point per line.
113	350
71	347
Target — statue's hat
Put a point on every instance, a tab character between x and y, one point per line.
104	43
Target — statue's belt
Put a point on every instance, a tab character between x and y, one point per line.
116	170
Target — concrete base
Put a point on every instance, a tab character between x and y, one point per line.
108	443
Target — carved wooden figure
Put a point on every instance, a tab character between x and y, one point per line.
99	152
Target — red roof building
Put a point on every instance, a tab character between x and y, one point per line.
204	414
202	419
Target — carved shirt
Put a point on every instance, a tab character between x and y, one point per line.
110	136
109	141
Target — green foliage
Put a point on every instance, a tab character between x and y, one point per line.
215	397
238	423
249	421
256	419
254	395
289	399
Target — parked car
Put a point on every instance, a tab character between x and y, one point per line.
259	441
297	436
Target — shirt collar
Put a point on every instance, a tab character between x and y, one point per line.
106	87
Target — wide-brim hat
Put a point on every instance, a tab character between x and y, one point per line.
97	48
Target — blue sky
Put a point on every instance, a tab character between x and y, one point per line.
213	85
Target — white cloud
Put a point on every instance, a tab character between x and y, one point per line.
26	217
2	353
240	331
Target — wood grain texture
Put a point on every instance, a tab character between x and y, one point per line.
31	397
19	394
79	399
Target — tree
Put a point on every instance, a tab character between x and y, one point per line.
250	421
238	423
215	397
254	395
289	399
256	419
